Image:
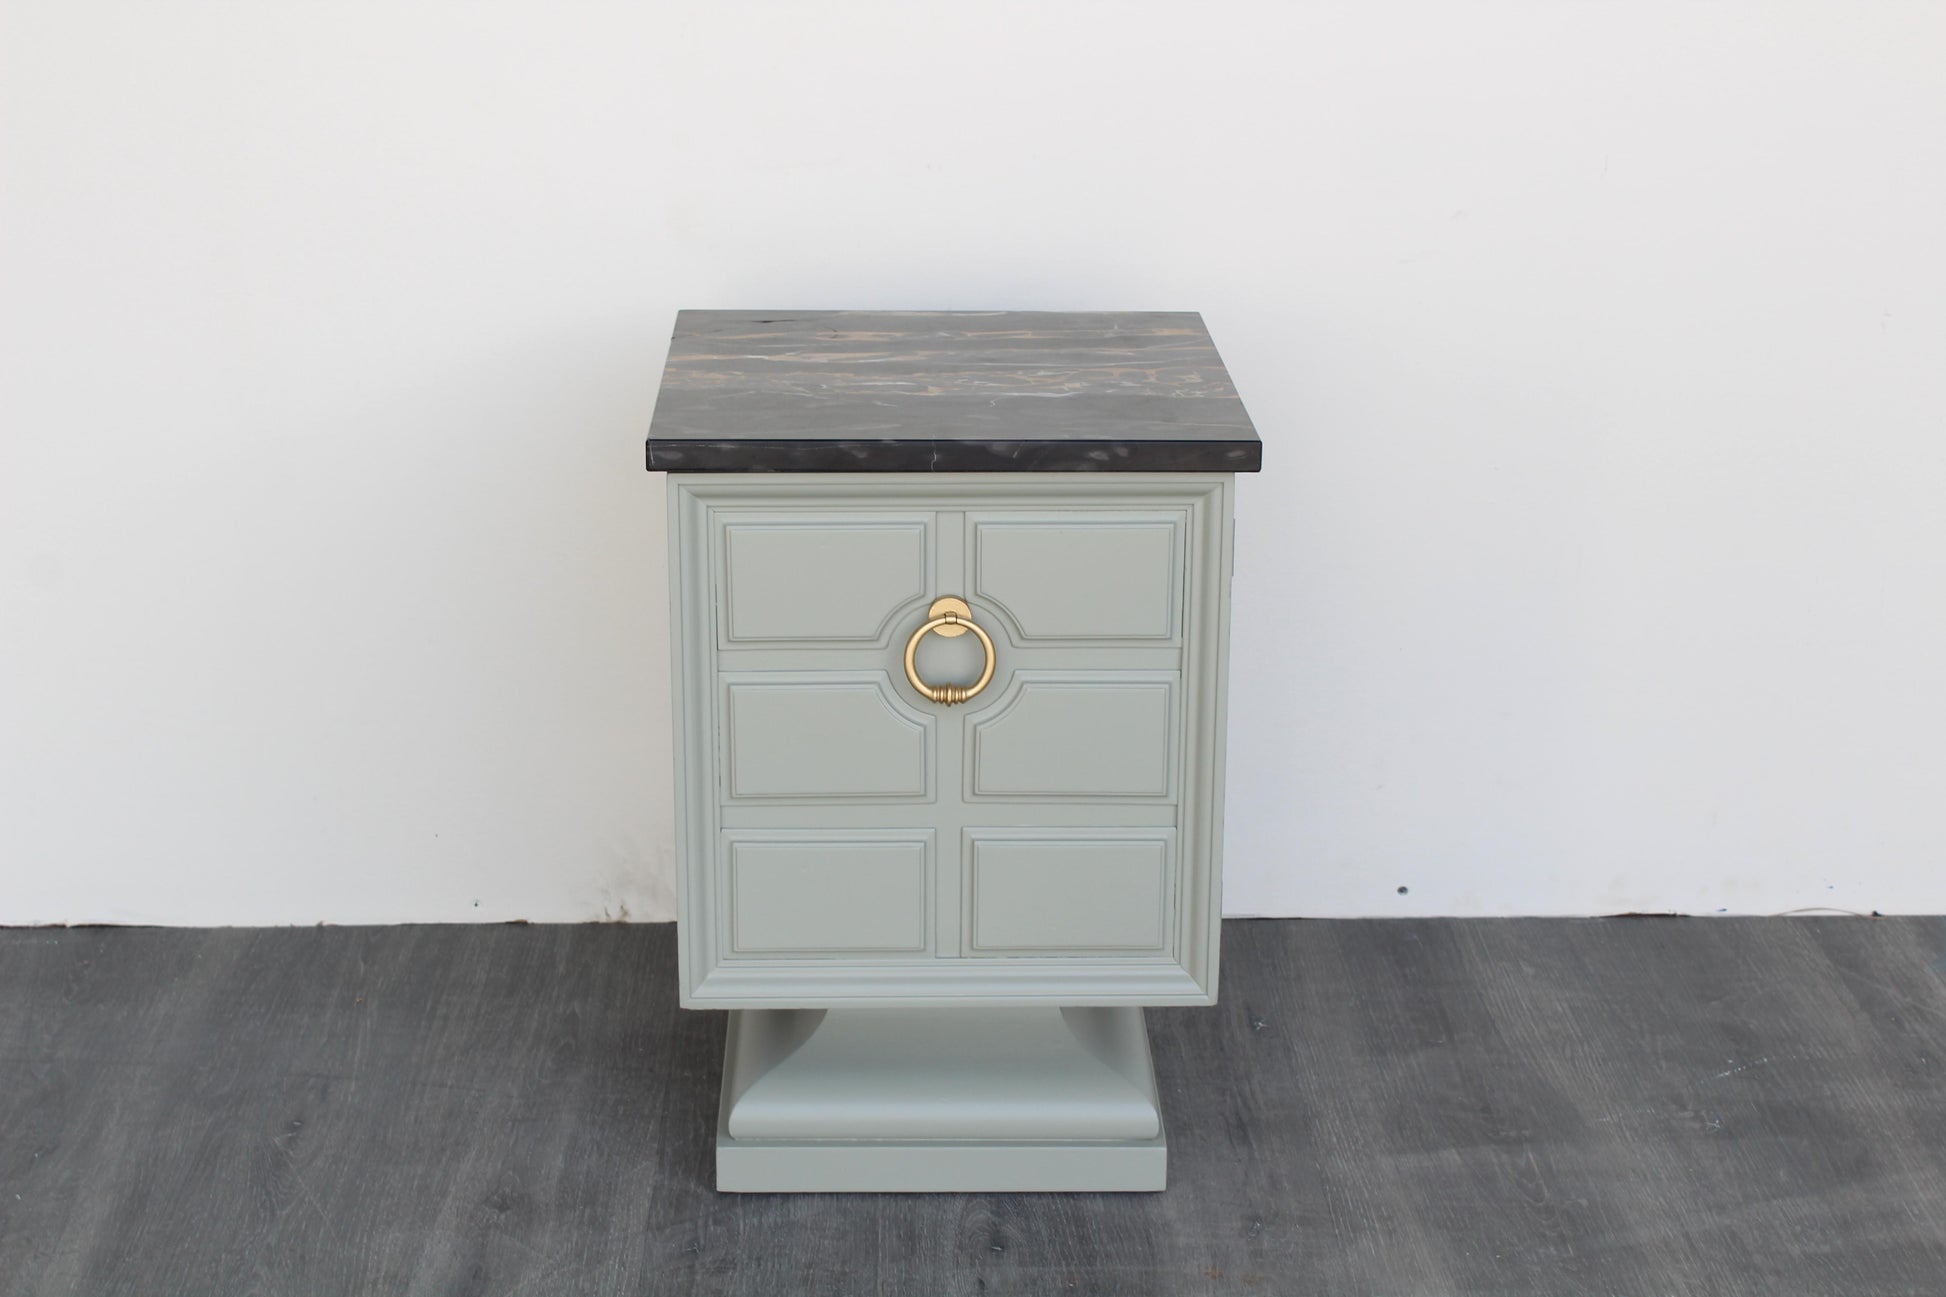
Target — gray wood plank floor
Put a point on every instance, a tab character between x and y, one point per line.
1630	1108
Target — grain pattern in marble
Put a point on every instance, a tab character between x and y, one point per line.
947	391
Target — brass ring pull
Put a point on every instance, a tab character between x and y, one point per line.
949	617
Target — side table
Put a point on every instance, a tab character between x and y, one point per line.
950	601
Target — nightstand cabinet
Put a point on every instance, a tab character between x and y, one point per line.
949	743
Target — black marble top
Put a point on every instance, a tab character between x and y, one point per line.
947	392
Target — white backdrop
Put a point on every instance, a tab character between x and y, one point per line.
1599	352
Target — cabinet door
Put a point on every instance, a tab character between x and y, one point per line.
847	838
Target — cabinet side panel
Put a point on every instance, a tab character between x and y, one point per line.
692	633
1205	681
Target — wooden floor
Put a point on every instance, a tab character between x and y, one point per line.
1625	1107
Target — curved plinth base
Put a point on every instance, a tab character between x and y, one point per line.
938	1100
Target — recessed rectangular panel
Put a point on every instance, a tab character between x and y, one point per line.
1068	894
827	895
837	581
825	735
1081	579
1074	734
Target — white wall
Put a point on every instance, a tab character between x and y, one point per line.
1599	353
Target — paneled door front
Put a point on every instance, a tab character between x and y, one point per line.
949	739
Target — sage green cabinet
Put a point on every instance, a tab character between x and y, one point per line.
847	841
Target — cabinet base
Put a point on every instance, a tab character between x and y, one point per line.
953	1100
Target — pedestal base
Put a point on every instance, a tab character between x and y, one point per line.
939	1100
